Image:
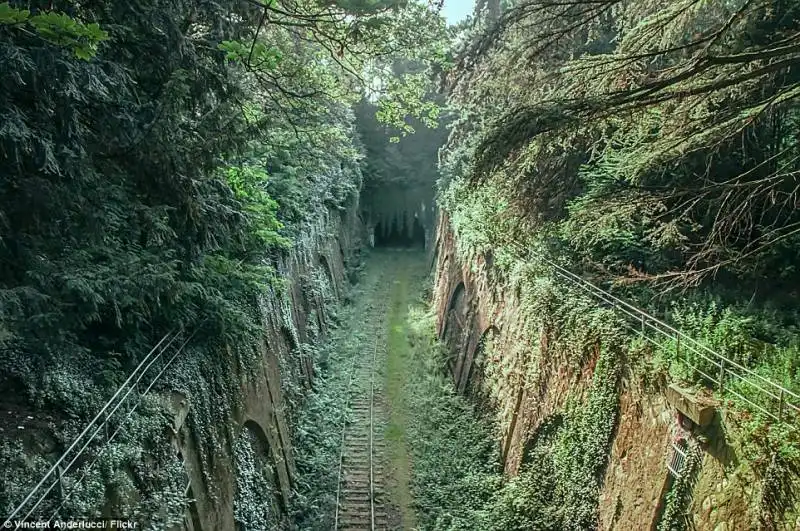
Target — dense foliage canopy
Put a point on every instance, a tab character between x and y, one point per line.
651	148
646	145
158	160
155	155
660	135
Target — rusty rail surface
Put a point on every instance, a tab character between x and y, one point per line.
359	471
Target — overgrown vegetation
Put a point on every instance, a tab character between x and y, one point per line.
397	372
641	178
457	477
166	165
676	516
455	459
318	437
160	164
649	147
256	502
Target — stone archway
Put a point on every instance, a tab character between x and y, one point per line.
539	443
455	326
471	380
451	303
259	497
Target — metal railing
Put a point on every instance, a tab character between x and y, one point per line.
774	400
138	385
676	460
771	398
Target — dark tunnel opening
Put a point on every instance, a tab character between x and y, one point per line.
398	235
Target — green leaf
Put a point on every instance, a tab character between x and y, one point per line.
12	15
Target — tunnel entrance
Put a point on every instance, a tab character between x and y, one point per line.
399	233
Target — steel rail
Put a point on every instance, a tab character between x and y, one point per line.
371	438
341	444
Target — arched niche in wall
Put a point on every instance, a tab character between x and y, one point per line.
471	380
441	282
258	438
256	462
455	324
451	303
305	295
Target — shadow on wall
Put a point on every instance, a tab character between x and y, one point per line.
471	380
264	457
453	331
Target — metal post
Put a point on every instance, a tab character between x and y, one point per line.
642	324
678	347
721	376
780	406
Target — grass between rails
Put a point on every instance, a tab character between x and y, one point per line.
320	423
397	373
318	439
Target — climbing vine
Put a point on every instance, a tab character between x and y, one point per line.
582	450
254	508
675	516
559	482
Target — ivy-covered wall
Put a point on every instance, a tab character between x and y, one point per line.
221	423
249	476
580	412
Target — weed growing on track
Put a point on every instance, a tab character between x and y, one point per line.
455	459
319	423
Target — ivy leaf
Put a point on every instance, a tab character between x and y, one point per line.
234	50
262	56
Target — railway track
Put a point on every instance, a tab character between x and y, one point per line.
361	484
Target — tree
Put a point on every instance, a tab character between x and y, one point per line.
671	121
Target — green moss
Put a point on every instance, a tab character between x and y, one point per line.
398	370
